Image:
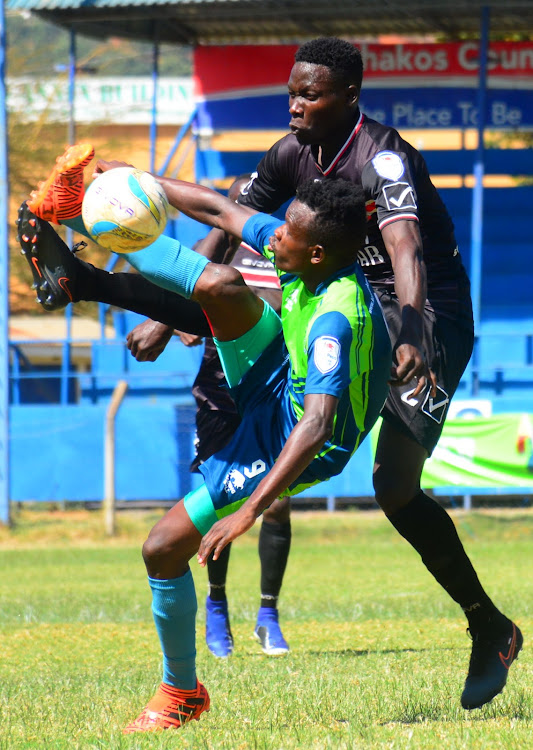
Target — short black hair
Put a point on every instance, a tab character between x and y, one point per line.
341	57
339	223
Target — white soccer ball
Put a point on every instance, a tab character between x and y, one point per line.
125	209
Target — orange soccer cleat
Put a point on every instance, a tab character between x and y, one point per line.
61	195
169	708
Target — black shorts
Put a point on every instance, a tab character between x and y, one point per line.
448	346
214	430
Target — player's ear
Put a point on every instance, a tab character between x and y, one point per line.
317	253
352	94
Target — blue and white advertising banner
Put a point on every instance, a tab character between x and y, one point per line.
405	85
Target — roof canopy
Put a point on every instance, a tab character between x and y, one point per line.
264	21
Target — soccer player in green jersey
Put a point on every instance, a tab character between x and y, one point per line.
309	386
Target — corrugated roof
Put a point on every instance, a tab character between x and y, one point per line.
249	21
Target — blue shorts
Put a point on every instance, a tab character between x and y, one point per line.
262	397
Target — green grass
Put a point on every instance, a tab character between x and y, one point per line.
378	652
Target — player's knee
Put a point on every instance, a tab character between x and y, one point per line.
160	547
279	511
393	492
216	281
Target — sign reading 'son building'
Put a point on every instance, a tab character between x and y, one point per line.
126	100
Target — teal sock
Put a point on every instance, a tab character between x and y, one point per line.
77	225
174	609
166	262
169	264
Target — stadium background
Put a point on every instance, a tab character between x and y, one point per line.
61	386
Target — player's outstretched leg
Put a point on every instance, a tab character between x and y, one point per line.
60	277
60	196
489	666
170	708
53	265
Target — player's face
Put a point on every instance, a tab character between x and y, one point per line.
321	107
290	243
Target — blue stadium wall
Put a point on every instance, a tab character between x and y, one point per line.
57	450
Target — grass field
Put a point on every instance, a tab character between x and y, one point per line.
378	652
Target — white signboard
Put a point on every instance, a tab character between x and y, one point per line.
126	100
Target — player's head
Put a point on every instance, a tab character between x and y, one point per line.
325	224
324	87
237	185
338	221
342	59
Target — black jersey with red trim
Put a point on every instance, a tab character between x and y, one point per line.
397	186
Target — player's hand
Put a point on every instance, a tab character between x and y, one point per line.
223	532
190	339
105	166
148	340
411	364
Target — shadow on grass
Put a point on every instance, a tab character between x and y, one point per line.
345	652
377	651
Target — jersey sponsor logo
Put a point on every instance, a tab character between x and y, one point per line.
291	300
236	479
388	165
258	262
327	353
370	256
399	196
435	407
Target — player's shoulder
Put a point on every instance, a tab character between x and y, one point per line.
384	137
286	149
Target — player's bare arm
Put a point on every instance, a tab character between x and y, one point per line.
305	441
404	245
217	246
148	340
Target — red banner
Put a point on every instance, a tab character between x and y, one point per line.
234	68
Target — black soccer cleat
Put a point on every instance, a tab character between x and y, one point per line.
489	666
52	264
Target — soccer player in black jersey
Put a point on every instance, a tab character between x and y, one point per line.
412	261
413	264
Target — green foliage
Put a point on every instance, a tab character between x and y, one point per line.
378	652
36	48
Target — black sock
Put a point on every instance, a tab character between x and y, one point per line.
131	291
217	571
274	546
431	531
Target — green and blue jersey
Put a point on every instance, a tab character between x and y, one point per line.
332	341
335	337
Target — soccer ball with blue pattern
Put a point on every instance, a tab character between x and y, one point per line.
125	209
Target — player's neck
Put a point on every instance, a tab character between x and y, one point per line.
316	276
328	150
